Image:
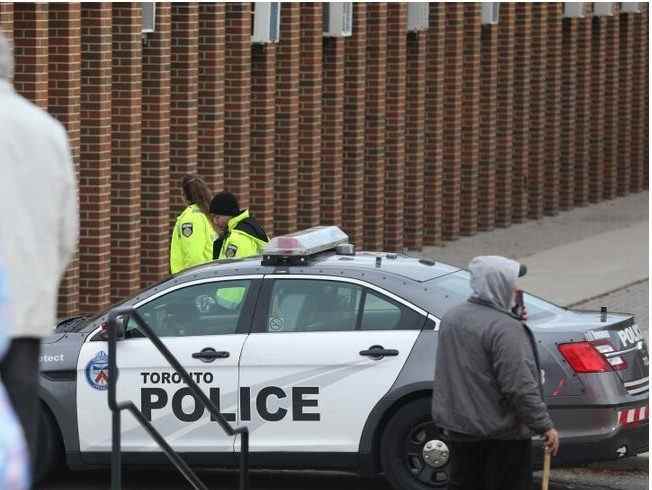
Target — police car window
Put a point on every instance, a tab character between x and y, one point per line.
303	305
455	289
202	309
379	314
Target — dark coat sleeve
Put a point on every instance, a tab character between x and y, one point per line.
514	366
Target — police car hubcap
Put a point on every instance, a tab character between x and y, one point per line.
436	453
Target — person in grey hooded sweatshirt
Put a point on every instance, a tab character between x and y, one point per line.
487	394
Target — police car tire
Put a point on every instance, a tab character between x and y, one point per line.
391	454
49	449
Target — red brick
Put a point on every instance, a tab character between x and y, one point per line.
612	109
155	148
332	133
286	141
395	102
95	158
210	117
453	107
263	118
598	79
504	117
434	131
415	122
374	184
31	51
237	102
487	164
569	113
521	125
354	126
626	153
470	119
537	117
64	76
184	91
310	86
583	105
553	97
126	151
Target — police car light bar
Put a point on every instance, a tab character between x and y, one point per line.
293	249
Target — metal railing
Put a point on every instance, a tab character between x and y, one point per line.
116	409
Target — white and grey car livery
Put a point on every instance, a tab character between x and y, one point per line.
327	355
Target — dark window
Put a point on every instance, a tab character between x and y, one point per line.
305	305
202	309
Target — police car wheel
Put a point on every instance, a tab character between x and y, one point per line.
413	452
49	450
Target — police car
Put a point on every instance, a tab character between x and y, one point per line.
327	355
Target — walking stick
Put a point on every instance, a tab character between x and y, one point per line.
546	469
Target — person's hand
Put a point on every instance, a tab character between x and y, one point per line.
524	313
551	441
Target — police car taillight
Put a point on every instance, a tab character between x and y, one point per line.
583	357
296	248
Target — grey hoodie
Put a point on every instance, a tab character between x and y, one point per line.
487	381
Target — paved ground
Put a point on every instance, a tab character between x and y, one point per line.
531	241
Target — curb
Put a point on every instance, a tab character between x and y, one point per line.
560	485
629	285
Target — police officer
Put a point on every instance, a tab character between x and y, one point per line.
193	234
240	233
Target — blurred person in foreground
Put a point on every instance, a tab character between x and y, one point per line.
38	234
487	394
14	460
193	234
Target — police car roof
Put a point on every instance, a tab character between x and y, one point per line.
329	262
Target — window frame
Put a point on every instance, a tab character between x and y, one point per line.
265	298
244	322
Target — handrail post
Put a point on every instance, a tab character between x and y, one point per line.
116	453
177	461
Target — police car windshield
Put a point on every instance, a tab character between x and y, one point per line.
456	289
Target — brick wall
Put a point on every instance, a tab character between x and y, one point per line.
395	126
470	120
488	134
552	129
64	79
403	139
569	113
583	122
126	152
286	147
95	158
415	121
504	113
612	109
433	181
536	96
374	171
453	97
155	149
355	65
310	88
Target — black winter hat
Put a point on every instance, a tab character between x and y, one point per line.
225	204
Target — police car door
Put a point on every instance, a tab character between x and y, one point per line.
204	324
309	372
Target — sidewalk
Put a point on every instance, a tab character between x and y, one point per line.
572	257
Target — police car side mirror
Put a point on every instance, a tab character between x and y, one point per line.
121	322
